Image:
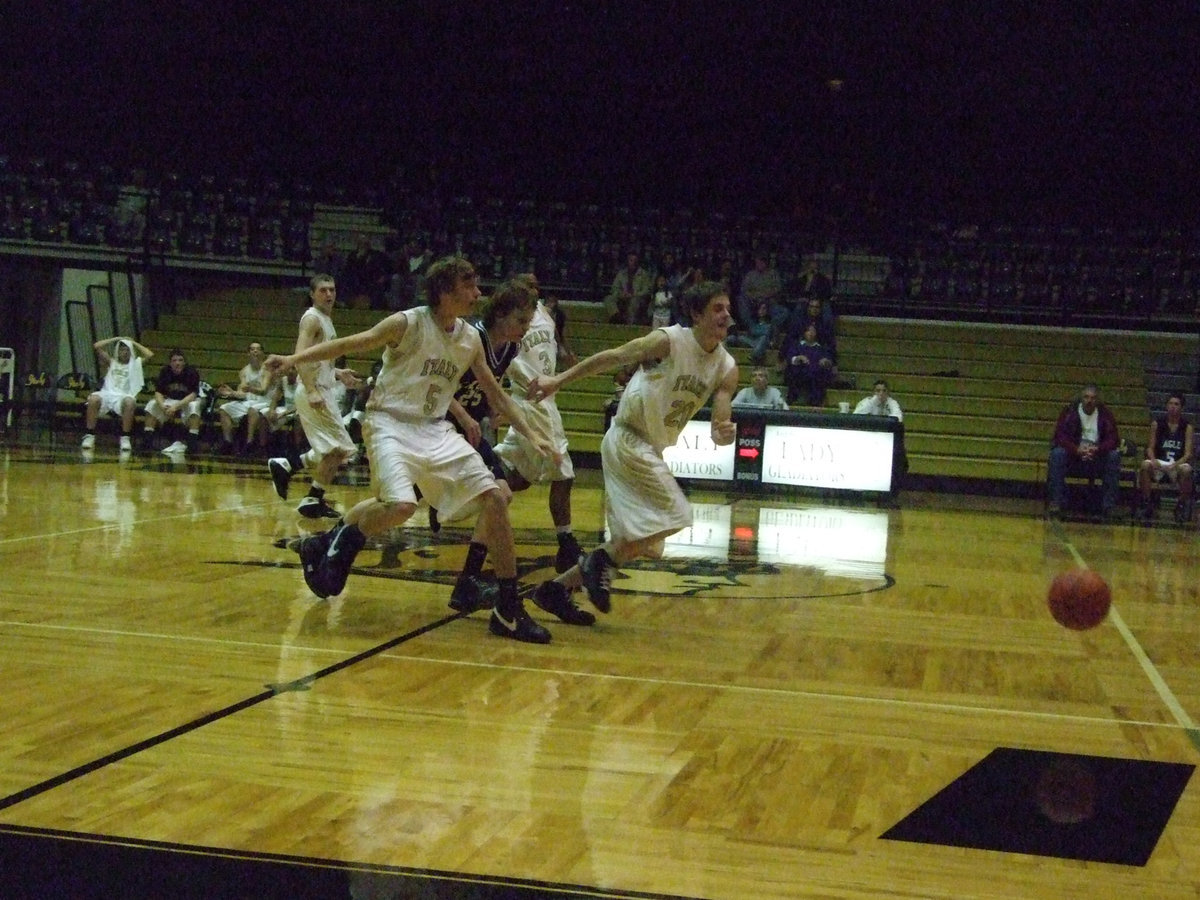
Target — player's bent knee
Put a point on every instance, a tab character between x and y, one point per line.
396	511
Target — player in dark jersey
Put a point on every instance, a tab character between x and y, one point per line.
1168	456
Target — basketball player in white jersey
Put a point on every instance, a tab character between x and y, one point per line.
410	442
319	416
680	368
538	355
123	378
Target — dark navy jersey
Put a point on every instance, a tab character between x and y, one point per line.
1169	446
469	393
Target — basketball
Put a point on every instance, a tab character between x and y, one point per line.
1079	599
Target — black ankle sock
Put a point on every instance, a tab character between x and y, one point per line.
476	555
317	492
508	604
565	537
350	541
295	461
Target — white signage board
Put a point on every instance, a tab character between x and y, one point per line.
840	459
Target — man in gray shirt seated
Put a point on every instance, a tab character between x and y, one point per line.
760	394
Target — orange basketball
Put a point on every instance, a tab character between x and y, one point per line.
1079	599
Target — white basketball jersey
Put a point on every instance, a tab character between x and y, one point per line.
116	379
255	379
660	399
324	378
421	373
538	354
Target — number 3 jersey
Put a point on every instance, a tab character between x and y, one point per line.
661	398
420	374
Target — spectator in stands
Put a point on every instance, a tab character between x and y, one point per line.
409	271
757	336
250	400
881	403
759	393
762	284
808	368
176	403
1085	444
366	275
629	295
817	313
123	379
1168	457
329	259
813	283
679	276
663	306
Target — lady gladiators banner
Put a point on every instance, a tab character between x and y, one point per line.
791	449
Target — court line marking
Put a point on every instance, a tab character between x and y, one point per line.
575	673
135	523
1160	684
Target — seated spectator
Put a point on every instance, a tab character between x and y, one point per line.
1084	445
250	400
759	393
630	293
1168	458
757	336
881	403
762	284
662	307
176	403
808	367
123	379
813	283
815	312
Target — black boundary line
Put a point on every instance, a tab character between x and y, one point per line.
273	690
326	863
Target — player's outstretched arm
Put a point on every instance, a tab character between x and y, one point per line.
386	331
655	345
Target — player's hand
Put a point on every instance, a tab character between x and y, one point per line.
277	363
723	433
472	432
349	378
541	387
547	451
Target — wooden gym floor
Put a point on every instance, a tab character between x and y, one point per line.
797	678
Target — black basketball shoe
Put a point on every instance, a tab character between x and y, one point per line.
596	569
520	627
317	508
569	553
312	552
281	475
471	594
555	599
